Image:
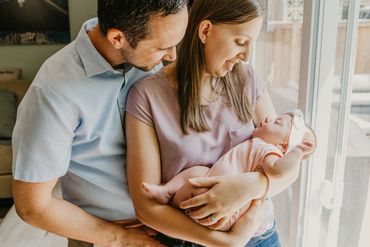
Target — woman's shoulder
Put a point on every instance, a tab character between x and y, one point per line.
157	83
153	81
155	88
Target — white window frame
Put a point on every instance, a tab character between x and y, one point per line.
319	40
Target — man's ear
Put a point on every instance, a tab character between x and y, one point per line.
117	38
204	30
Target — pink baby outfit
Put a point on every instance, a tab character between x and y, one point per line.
153	100
246	157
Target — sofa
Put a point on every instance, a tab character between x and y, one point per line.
16	88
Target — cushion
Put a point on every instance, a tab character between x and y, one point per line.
7	74
8	112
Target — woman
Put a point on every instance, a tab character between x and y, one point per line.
191	113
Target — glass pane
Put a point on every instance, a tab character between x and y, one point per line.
355	211
357	164
277	61
334	135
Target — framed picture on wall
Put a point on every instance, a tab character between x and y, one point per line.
24	22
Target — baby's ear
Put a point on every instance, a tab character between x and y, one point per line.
310	138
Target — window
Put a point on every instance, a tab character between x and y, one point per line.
277	60
295	55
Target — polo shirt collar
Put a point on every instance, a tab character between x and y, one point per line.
94	63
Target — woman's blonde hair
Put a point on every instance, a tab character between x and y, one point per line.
191	63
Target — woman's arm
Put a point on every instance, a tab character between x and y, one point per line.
144	165
218	200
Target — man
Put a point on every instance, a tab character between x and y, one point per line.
69	124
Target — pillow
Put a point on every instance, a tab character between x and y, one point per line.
8	112
8	74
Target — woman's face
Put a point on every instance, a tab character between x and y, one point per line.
226	45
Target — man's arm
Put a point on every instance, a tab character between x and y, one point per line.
36	205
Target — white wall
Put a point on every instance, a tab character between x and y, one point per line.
30	57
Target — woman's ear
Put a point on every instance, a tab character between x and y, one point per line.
204	30
116	37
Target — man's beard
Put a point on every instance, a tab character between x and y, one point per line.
128	55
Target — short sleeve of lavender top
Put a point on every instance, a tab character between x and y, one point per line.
138	104
153	101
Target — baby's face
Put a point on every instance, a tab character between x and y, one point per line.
274	131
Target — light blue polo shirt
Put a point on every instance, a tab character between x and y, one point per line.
70	125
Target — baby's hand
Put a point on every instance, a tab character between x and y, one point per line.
307	147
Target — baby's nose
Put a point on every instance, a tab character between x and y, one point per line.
267	120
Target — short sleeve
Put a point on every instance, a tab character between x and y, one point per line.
257	86
42	137
138	105
262	149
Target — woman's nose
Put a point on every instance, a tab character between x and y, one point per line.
243	56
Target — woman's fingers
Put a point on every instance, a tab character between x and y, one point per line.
203	212
220	224
194	202
203	198
204	182
209	220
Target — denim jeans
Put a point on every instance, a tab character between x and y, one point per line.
268	239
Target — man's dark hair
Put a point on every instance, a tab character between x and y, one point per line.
132	16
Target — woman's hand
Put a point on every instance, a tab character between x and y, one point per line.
220	225
225	195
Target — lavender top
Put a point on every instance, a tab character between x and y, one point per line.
154	101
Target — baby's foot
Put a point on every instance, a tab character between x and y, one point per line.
159	192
